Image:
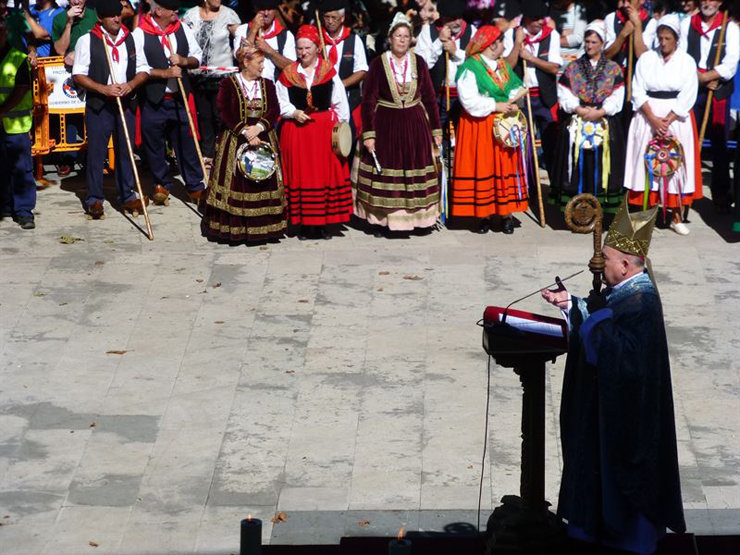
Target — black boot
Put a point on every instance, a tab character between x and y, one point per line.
508	225
484	226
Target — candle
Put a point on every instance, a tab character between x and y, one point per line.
251	536
400	546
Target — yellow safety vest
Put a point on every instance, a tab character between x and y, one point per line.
19	119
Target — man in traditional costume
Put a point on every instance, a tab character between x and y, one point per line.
168	48
400	123
346	52
589	155
662	164
538	44
620	486
490	177
267	33
700	35
312	100
109	40
17	185
242	207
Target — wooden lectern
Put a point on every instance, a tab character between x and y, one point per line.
525	342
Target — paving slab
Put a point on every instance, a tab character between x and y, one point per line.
155	393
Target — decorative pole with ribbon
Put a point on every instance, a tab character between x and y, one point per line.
536	169
710	95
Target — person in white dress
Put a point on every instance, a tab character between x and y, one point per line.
663	93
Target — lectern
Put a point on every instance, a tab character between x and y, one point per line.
525	342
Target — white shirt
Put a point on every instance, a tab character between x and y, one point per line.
728	64
574	20
215	45
339	103
268	71
194	50
553	54
569	102
652	73
474	103
401	72
82	59
250	88
432	51
648	34
359	59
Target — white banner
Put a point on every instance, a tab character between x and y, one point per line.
63	96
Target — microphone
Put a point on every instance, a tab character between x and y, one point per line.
558	282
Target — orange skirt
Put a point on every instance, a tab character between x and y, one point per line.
488	179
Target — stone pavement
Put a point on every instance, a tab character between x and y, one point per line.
154	393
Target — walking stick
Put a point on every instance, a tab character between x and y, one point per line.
630	58
450	132
321	36
710	96
532	133
149	232
190	118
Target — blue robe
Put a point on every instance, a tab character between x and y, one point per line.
620	484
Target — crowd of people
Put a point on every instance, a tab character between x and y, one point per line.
403	113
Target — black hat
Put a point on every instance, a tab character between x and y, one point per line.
452	9
108	8
265	4
534	9
166	4
332	5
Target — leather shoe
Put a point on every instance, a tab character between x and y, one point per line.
161	196
26	222
136	206
508	226
484	226
195	196
96	211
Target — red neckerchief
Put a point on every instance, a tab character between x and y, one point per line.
277	28
696	22
333	54
148	25
623	18
543	34
290	77
101	33
459	34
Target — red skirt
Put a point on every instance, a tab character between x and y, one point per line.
316	180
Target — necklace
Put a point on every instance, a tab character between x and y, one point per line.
249	89
499	77
402	88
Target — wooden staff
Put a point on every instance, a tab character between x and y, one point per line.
149	232
190	118
710	96
630	58
532	133
450	133
321	35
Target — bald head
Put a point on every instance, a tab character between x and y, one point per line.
619	266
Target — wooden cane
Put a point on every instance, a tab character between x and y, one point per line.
450	130
190	118
321	35
710	96
533	133
630	57
149	232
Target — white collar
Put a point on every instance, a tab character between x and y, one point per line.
621	283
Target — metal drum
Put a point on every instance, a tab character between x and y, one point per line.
510	130
341	139
256	163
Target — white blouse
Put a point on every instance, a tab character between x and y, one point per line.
678	73
250	88
476	104
569	102
339	103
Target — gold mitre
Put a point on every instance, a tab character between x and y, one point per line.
631	232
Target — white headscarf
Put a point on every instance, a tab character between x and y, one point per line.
398	20
597	26
672	22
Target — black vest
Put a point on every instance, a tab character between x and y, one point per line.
622	54
321	96
546	82
281	40
347	68
438	71
99	71
155	57
725	88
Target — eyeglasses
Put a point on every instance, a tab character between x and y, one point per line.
332	17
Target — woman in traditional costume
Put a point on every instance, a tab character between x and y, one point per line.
489	178
662	146
312	101
238	209
400	120
589	155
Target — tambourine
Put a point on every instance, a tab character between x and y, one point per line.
257	162
341	139
664	157
590	134
510	130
